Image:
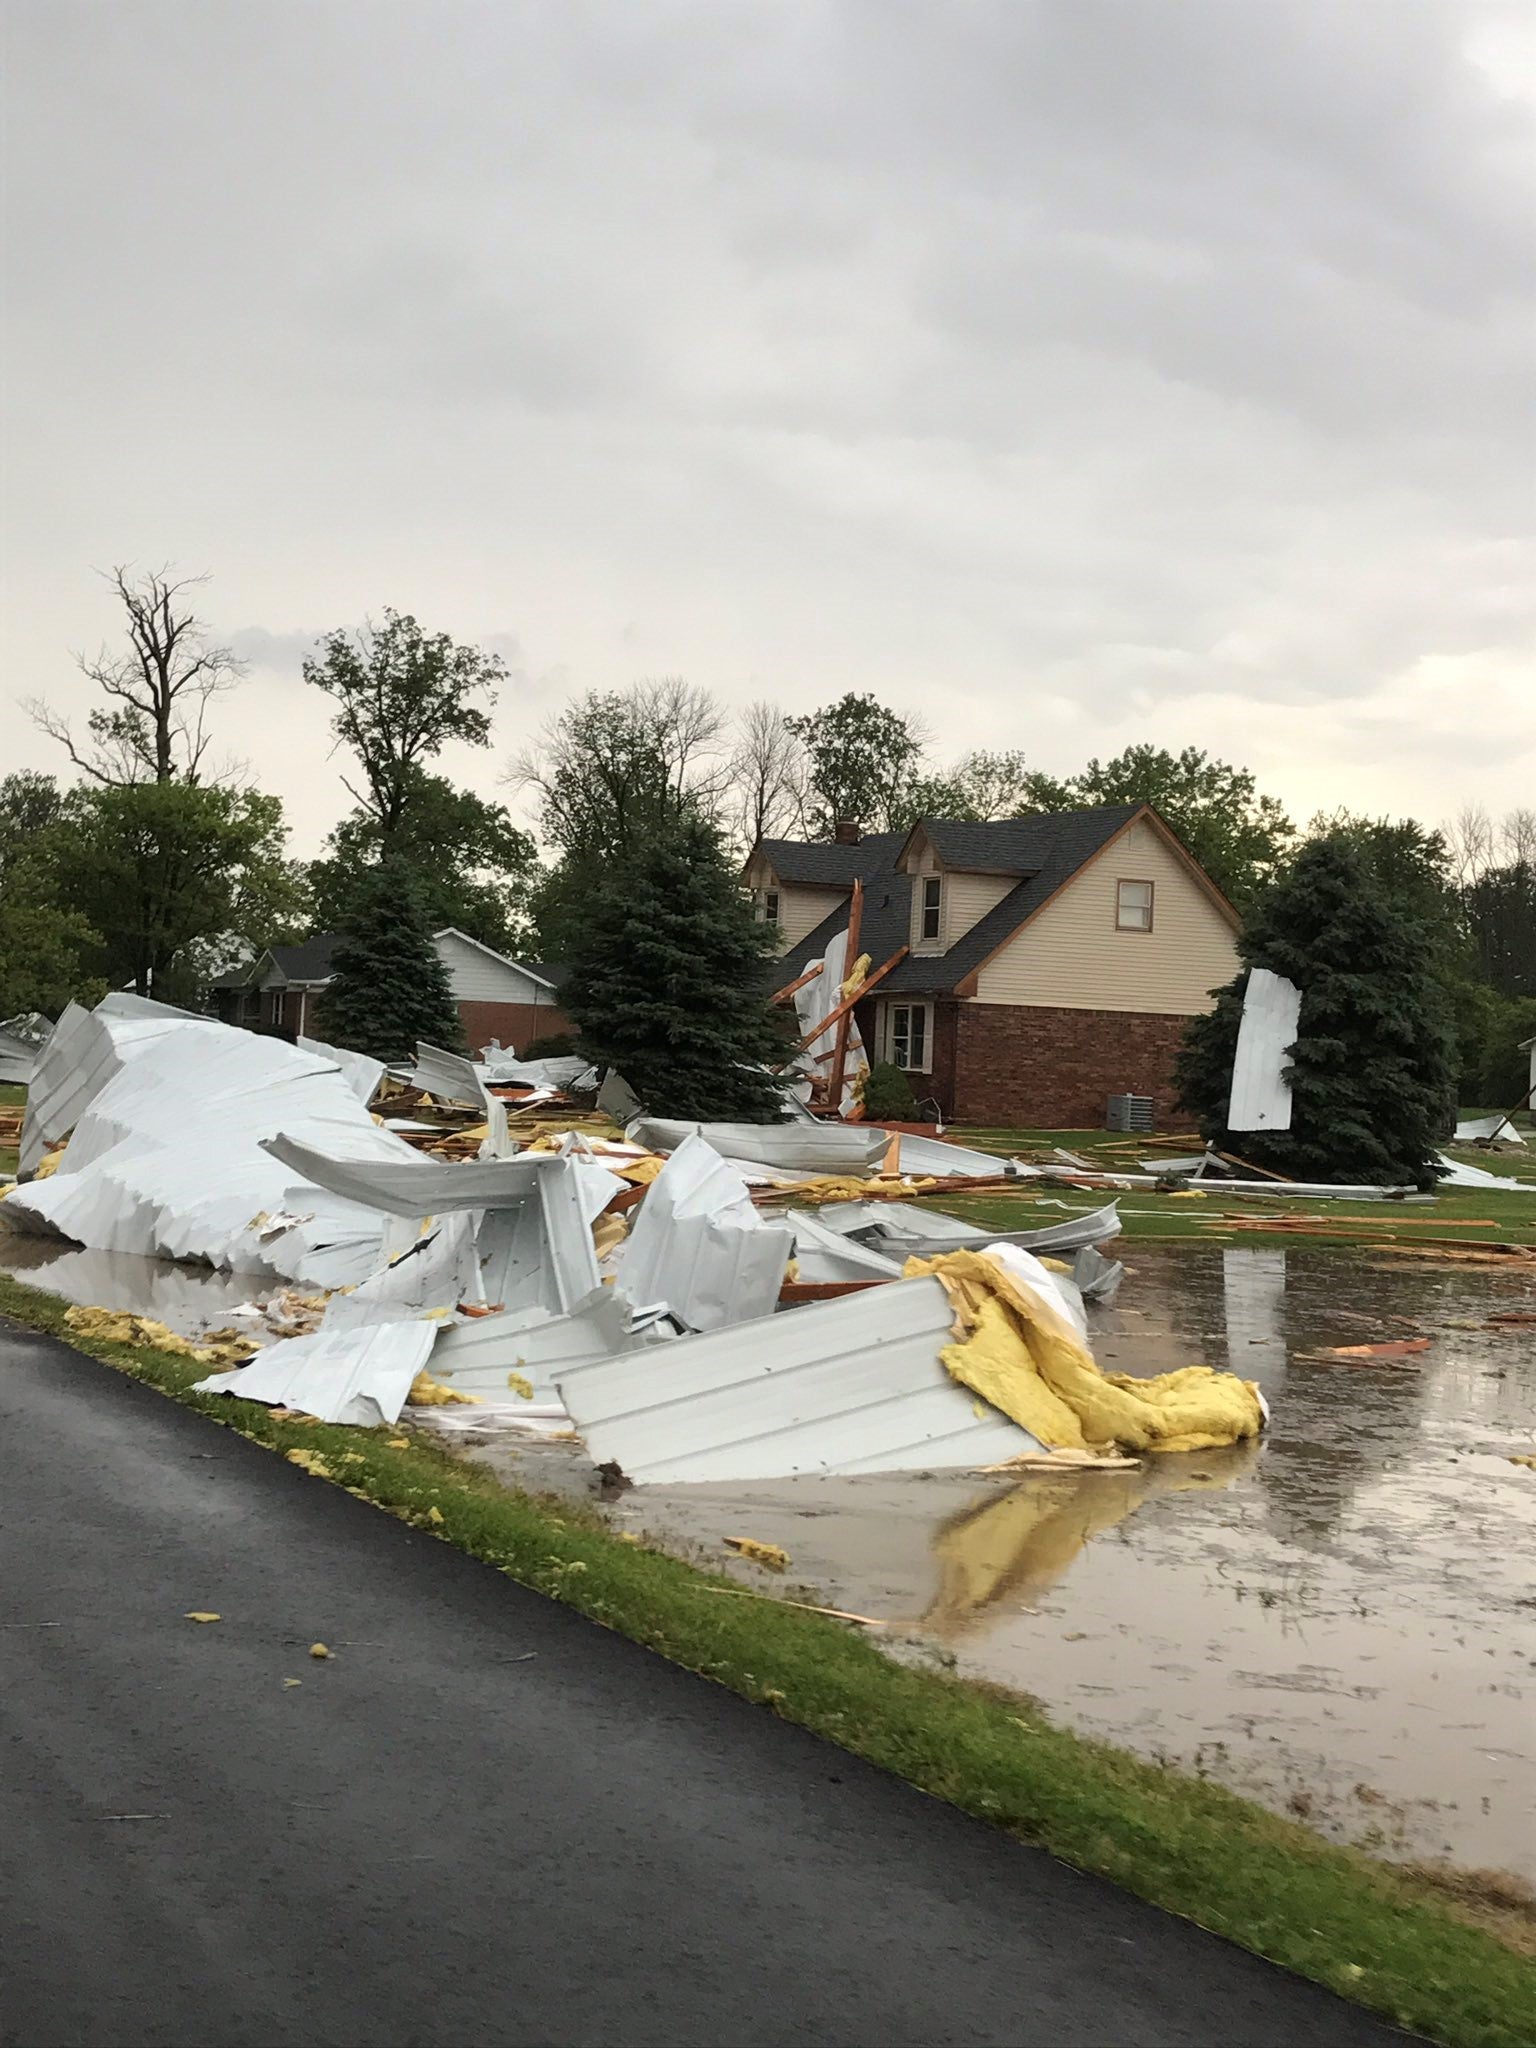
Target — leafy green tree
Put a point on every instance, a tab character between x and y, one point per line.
670	978
401	695
1499	906
1372	1068
46	947
1239	837
616	770
863	760
474	868
388	986
173	875
981	786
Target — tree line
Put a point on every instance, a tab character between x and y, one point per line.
161	866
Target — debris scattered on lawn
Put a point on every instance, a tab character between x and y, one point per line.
768	1555
1398	1347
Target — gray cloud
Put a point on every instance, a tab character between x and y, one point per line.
1094	368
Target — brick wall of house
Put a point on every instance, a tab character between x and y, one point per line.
1056	1069
514	1024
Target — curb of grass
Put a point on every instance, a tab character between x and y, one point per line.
1328	1913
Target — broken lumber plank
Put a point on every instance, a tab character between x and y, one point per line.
834	1016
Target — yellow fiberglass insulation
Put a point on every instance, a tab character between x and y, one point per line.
1027	1360
118	1326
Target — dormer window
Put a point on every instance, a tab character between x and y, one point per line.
933	907
767	905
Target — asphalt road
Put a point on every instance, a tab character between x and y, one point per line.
484	1820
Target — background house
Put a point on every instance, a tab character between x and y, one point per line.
497	997
1049	962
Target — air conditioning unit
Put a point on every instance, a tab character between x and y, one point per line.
1129	1113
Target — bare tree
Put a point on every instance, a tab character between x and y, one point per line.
614	765
157	727
769	774
1517	837
1470	840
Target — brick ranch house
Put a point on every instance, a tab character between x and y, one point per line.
1053	961
497	997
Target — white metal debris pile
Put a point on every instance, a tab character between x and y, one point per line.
668	1292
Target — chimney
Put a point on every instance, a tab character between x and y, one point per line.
845	831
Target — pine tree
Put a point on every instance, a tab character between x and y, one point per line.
1373	1066
669	981
389	987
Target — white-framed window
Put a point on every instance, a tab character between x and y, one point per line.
931	914
766	904
909	1036
1133	906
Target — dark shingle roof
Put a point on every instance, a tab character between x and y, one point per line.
309	960
831	865
1049	851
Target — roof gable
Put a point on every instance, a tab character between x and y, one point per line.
1047	851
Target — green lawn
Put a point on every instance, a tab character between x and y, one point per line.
1388	1938
1470	1215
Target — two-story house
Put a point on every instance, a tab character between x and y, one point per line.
1050	962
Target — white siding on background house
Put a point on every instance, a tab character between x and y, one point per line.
1070	955
477	975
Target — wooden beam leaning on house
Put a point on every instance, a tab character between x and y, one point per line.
791	988
834	1016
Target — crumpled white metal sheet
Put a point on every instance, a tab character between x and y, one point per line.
803	1148
1261	1096
922	1156
700	1245
904	1228
816	1001
362	1074
478	1356
355	1376
83	1051
167	1161
16	1060
1500	1127
497	1063
854	1385
824	1255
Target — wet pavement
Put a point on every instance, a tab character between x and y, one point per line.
1340	1622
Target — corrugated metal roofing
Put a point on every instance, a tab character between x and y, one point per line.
843	1386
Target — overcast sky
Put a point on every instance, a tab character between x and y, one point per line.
1067	372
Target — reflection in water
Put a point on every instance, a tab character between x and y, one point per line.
1016	1545
186	1298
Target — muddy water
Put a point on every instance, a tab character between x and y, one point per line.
1340	1622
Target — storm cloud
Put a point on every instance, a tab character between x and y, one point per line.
1068	373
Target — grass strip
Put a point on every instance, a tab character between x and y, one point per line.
1372	1933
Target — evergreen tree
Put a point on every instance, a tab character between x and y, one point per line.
1372	1069
670	977
389	986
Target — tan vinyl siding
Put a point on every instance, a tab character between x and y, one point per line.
801	909
1070	956
968	898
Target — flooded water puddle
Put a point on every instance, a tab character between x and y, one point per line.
1340	1621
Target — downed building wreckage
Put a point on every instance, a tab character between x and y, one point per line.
697	1301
